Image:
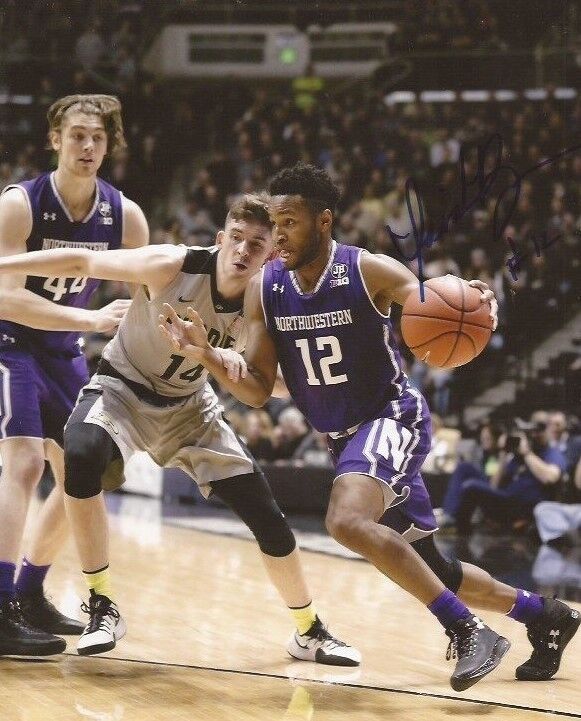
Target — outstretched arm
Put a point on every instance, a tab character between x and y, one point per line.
190	338
389	281
153	265
19	305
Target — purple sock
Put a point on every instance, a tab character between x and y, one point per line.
447	608
527	606
30	578
7	571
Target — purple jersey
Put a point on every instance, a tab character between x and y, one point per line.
335	348
53	227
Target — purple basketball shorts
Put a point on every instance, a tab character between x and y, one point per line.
38	393
392	449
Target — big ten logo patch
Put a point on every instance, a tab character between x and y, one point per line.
105	211
339	273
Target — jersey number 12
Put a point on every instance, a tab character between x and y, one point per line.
325	363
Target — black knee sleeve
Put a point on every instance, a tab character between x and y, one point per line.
449	572
89	450
251	499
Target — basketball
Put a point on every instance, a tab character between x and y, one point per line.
451	327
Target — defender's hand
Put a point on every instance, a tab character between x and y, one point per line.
189	337
108	318
487	297
234	364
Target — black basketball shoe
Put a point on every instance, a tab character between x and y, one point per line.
478	648
40	613
18	638
549	634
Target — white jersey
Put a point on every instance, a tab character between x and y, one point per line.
142	354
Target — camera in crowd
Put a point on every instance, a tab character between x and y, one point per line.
520	428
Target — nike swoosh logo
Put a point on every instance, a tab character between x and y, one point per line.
186	300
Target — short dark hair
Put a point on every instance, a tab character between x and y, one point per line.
252	208
311	183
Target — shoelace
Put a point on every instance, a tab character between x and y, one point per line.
15	615
97	614
461	646
321	633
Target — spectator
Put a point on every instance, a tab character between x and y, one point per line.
90	46
197	226
525	472
559	522
560	438
256	431
313	451
482	470
289	433
442	457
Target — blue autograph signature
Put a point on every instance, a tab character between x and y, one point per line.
490	170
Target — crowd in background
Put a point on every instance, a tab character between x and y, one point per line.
231	141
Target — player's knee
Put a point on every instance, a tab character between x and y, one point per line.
449	572
26	470
274	535
343	527
85	462
250	497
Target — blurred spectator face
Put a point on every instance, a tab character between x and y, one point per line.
478	259
246	246
81	144
487	439
252	427
539	436
480	219
292	424
557	425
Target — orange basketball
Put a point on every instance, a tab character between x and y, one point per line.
451	326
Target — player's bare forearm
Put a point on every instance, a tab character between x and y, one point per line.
156	265
252	390
59	262
20	305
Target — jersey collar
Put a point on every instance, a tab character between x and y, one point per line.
64	207
321	280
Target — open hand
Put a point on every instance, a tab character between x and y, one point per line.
107	318
487	297
189	337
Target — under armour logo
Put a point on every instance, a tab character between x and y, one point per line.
6	338
553	633
478	622
276	287
49	216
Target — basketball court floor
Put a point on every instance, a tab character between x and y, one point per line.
207	634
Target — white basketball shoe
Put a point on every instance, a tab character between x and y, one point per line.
105	627
318	645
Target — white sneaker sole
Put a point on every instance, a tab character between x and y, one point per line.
295	650
119	632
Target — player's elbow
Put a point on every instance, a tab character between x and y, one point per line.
258	399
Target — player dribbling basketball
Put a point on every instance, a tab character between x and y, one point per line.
322	310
